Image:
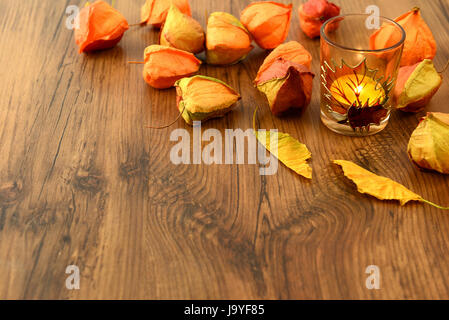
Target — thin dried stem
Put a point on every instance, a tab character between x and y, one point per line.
169	125
445	68
434	205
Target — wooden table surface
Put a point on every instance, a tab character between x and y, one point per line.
83	182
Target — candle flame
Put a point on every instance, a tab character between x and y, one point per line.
361	90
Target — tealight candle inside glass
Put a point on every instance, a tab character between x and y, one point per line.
356	81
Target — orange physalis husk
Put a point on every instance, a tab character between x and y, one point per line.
419	42
416	85
268	22
182	32
380	187
286	149
227	40
314	13
100	27
428	147
154	12
164	66
287	86
201	98
291	51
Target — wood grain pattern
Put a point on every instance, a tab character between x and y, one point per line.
83	182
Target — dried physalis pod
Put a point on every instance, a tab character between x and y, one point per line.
419	42
416	85
200	98
291	51
164	66
428	147
182	32
314	13
100	27
287	85
154	12
227	40
268	22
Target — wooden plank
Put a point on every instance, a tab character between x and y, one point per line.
83	182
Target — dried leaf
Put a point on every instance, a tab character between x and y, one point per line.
154	12
380	187
287	85
182	32
268	22
314	13
164	66
419	43
201	98
291	51
416	85
227	40
100	27
290	151
428	147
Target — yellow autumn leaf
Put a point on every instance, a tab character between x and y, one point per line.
380	187
289	151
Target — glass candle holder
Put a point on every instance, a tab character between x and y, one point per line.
357	81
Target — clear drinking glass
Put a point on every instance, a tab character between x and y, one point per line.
357	81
